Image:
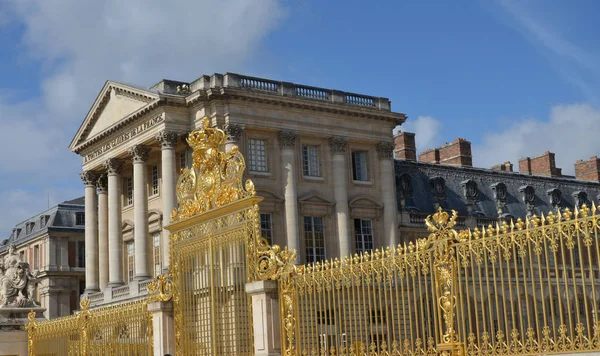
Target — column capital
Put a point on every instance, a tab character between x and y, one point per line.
167	139
233	131
89	178
113	165
102	183
338	144
139	153
287	139
385	150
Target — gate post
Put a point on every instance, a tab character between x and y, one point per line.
163	328
265	317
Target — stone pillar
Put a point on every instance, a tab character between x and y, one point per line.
338	146
385	151
103	231
162	327
139	154
265	316
168	140
115	234
91	232
287	144
234	133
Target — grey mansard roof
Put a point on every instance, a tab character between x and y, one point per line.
60	218
423	198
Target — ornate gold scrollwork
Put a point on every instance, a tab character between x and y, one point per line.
31	328
215	178
442	237
83	320
161	289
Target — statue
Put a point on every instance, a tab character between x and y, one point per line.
17	282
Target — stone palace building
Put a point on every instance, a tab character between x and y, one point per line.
52	242
321	158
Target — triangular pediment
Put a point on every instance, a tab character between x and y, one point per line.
114	103
315	199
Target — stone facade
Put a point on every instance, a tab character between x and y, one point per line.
321	158
52	242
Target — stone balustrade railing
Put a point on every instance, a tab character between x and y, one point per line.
268	86
133	290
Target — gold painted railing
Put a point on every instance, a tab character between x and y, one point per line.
521	288
124	329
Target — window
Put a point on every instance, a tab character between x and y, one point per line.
130	261
266	227
36	257
22	255
80	254
44	221
363	235
310	161
79	218
154	180
28	228
183	161
359	166
314	239
129	187
156	253
257	154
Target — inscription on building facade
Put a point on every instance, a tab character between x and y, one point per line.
119	140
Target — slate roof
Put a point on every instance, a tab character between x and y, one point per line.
61	217
423	197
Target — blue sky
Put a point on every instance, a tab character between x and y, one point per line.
515	78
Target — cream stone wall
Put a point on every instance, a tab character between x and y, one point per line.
249	114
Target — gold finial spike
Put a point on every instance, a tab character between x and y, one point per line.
593	208
84	304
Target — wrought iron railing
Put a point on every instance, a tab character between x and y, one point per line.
520	288
123	329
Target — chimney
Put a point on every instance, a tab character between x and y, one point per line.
506	167
430	156
588	170
457	153
405	147
542	165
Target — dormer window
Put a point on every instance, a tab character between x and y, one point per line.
79	218
29	228
44	220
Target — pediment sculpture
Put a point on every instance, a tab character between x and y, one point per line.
17	282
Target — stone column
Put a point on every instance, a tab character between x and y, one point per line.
91	232
338	146
115	234
162	327
103	231
234	133
265	316
139	154
385	151
168	140
287	144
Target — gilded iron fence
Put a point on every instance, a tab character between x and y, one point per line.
124	329
530	287
522	288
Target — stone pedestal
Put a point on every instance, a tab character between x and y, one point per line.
13	336
163	327
265	310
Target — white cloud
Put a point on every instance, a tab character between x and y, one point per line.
427	132
572	132
79	45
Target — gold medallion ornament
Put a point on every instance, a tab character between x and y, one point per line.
215	178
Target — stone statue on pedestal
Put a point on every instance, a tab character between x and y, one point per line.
17	282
